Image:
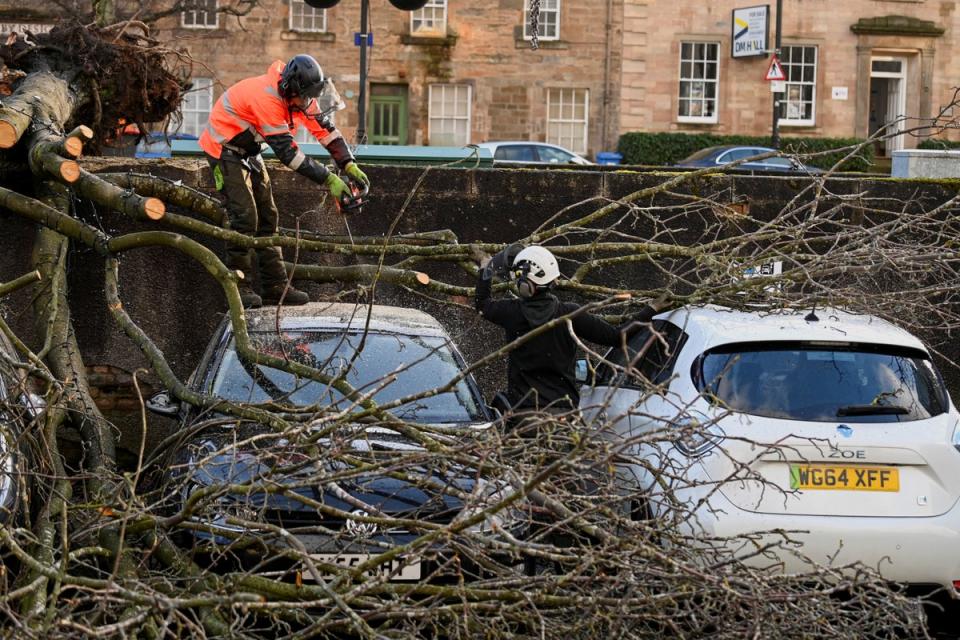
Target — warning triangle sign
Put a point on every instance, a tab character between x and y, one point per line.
775	70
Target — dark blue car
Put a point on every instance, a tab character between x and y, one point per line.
725	154
331	494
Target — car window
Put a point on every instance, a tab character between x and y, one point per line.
801	381
649	357
549	154
390	366
779	163
516	153
700	155
738	154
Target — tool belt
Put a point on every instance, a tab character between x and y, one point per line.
249	160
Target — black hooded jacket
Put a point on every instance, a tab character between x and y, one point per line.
542	371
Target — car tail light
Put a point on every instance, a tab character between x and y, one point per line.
956	585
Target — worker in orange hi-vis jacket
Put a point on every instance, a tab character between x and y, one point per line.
269	108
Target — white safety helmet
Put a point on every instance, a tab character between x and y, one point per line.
540	268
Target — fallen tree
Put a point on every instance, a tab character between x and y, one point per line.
92	550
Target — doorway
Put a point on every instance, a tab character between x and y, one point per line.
388	114
888	98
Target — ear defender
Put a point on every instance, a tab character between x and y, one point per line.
525	287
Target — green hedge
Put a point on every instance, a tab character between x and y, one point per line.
670	148
936	143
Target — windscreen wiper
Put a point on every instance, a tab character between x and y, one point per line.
872	410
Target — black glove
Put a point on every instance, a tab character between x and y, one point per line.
500	264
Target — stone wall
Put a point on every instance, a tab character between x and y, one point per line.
179	305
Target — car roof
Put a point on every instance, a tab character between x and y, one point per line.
341	315
533	142
713	325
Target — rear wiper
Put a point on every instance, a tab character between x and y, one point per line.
872	410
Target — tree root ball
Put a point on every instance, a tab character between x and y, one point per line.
121	75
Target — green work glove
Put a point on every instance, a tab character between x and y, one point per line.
354	172
338	188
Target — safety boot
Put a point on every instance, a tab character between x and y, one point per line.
248	297
293	297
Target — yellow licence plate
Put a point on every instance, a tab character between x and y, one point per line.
845	478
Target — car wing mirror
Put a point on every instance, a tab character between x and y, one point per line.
164	404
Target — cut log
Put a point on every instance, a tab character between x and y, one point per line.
423	278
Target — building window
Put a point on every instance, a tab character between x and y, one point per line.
450	115
197	103
307	19
431	19
798	104
567	118
549	26
199	14
699	72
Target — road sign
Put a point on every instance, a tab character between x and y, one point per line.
775	70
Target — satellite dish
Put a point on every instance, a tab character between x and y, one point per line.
408	5
321	4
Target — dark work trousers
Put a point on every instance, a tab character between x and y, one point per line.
251	210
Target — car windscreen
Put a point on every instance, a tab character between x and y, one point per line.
390	366
819	383
701	155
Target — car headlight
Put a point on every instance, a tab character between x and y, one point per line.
219	514
491	494
956	436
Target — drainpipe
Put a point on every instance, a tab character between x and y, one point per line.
605	115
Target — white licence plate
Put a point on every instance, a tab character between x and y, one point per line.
400	568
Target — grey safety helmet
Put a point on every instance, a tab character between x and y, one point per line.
302	76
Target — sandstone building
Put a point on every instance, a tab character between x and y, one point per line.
460	71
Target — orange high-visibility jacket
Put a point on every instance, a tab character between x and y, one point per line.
252	110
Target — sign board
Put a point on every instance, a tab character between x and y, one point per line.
775	70
839	93
778	86
751	29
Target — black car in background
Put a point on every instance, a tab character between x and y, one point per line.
329	494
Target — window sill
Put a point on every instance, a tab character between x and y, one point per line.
429	41
701	121
803	124
524	43
314	36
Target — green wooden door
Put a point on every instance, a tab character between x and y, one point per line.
388	118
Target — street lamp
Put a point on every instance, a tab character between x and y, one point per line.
363	41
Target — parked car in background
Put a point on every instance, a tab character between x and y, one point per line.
526	152
362	473
725	154
833	426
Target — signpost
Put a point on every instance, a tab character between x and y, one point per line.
751	28
775	133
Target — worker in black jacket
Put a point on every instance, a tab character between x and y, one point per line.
541	371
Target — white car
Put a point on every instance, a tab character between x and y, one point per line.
527	152
832	425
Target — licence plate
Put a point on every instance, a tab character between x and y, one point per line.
844	478
400	568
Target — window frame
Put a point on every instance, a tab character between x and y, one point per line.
202	121
586	119
430	117
526	20
787	66
712	119
436	31
305	6
196	25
